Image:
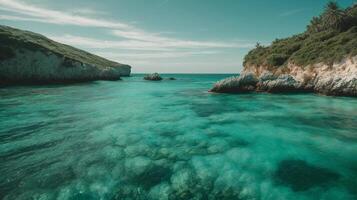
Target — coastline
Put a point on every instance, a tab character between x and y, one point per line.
339	79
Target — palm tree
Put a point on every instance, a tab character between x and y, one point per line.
333	5
315	25
333	17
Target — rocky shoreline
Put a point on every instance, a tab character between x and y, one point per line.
338	79
322	59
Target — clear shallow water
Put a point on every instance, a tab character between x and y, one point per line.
135	139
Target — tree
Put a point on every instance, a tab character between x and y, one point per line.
258	45
333	18
315	25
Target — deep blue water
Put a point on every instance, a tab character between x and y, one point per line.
135	139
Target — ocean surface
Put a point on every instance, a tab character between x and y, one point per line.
136	139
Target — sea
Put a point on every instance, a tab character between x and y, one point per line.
172	139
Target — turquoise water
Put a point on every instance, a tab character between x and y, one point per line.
136	139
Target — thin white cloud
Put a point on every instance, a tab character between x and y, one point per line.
86	11
121	56
92	43
177	43
139	39
56	17
19	18
145	45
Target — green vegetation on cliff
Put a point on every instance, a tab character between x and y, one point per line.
329	38
12	39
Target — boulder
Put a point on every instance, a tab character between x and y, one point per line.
244	83
283	83
267	76
337	86
153	77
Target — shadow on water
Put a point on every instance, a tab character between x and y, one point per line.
20	132
300	175
337	126
152	176
208	109
18	177
28	150
46	84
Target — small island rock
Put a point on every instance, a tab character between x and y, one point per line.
153	77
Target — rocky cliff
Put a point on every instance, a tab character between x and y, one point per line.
338	79
323	59
27	57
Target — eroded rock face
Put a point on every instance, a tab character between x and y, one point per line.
266	82
244	83
153	77
282	83
37	66
339	86
339	79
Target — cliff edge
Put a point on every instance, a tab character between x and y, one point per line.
323	59
27	57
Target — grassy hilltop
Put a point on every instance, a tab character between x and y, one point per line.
329	38
12	39
27	57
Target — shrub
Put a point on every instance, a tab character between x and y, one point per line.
277	59
329	38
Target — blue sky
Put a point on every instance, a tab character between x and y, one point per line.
167	36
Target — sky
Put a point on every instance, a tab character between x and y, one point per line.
166	36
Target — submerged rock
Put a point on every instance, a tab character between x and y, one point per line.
27	57
300	175
153	77
146	173
160	192
243	83
171	78
184	184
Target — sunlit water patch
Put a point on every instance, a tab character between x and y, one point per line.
136	139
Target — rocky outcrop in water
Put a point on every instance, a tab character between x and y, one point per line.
244	83
27	57
153	77
339	79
